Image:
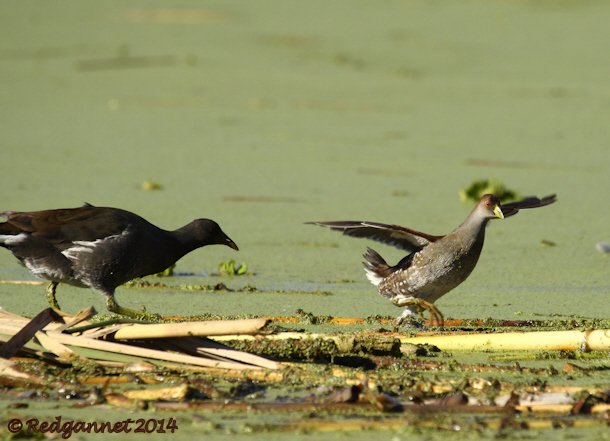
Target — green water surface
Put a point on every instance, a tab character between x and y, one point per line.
263	115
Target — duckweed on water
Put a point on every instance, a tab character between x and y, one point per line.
312	319
143	283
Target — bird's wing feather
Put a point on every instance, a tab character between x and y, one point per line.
68	225
394	235
513	208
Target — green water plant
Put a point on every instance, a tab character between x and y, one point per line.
150	185
168	272
229	268
476	189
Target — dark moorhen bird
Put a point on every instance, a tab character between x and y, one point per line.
435	264
100	247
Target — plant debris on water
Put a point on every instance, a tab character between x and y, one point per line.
331	381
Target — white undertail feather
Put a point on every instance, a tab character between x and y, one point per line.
373	277
375	267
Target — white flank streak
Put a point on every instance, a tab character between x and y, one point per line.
10	239
373	278
39	270
83	246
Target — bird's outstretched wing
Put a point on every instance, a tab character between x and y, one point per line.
513	208
394	235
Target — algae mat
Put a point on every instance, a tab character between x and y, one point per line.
263	115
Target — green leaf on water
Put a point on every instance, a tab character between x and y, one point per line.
229	268
150	185
478	188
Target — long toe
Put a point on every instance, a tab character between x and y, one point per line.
419	305
114	307
436	317
135	314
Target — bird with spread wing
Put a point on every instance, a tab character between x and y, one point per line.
435	264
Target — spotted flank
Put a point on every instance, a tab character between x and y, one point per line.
398	283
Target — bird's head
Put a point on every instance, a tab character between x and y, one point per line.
208	232
489	205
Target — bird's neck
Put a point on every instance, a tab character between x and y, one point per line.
473	227
184	237
475	221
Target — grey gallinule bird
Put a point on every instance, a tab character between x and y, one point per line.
100	247
435	264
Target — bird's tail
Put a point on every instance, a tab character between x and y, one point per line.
375	266
5	227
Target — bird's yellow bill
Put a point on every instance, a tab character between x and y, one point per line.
498	212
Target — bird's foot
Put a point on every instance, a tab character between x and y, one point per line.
409	321
114	307
436	317
420	305
51	296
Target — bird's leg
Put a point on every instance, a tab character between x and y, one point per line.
113	306
436	318
407	316
51	295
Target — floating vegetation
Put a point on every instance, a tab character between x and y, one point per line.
149	185
142	283
381	172
168	272
312	319
287	40
219	287
264	199
125	60
400	193
317	244
476	189
229	268
337	382
349	60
